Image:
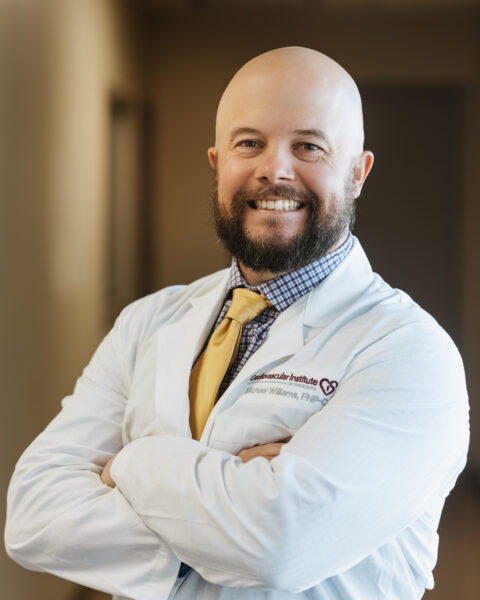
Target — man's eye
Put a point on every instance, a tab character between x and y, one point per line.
308	151
249	144
309	147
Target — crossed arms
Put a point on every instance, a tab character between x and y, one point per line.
285	523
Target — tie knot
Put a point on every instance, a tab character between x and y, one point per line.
246	305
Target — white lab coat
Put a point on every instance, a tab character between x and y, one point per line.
367	385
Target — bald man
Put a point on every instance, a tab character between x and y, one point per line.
286	428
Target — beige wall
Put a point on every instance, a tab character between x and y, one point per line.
197	52
60	60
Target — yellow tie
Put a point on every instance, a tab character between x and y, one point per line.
209	370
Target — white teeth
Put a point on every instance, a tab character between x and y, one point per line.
277	204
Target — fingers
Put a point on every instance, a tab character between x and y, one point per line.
105	475
267	451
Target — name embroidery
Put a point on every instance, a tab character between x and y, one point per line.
325	385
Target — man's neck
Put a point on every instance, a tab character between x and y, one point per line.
255	278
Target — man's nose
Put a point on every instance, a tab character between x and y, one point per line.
275	165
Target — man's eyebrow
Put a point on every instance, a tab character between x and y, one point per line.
243	130
313	132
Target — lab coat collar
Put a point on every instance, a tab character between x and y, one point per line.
339	290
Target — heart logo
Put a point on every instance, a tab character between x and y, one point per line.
327	386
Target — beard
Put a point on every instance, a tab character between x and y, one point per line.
321	232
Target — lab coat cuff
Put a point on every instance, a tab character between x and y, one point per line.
120	469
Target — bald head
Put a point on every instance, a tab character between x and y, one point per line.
295	80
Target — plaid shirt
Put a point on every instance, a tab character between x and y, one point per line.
282	292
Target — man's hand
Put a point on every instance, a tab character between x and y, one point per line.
105	475
268	451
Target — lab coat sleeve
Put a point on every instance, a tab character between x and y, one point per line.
392	440
61	518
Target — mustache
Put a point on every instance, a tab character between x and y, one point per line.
285	192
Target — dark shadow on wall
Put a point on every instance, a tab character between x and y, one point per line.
130	213
409	216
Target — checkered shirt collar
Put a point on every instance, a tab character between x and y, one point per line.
288	288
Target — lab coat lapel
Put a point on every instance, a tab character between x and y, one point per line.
178	345
337	292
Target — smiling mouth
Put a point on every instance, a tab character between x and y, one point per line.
280	205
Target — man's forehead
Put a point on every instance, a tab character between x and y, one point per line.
290	88
307	110
280	86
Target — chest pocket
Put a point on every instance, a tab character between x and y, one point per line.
265	413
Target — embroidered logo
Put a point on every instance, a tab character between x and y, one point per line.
327	386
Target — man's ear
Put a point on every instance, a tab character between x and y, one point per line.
212	157
362	168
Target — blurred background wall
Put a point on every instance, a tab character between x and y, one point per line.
59	63
107	108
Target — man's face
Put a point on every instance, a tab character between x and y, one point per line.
284	174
